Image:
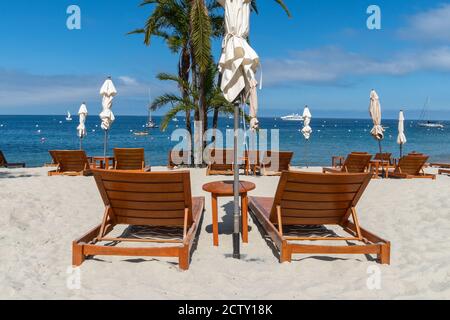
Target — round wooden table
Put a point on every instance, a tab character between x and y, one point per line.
225	189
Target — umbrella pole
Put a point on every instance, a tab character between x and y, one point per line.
237	222
105	144
401	150
382	168
81	143
307	153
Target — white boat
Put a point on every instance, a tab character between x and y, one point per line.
141	133
175	120
69	116
150	123
430	124
423	122
293	117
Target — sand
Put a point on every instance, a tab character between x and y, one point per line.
40	216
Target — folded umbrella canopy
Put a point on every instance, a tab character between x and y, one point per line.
238	65
81	129
239	62
108	92
401	139
307	130
375	113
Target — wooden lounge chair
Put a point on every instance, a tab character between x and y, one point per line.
274	163
444	171
385	158
130	160
70	163
354	163
220	162
176	156
312	199
252	162
411	166
152	199
440	165
5	164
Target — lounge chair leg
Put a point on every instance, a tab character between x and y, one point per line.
77	255
285	254
385	256
183	258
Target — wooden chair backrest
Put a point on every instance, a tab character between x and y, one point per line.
387	157
53	156
317	198
129	159
3	161
220	159
284	158
412	164
183	155
146	198
253	156
356	162
70	160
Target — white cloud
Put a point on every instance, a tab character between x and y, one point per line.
430	25
335	65
18	88
129	81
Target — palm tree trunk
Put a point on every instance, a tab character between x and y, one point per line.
184	73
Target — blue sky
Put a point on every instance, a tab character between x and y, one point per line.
324	56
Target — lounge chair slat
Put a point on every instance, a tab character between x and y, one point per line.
145	196
313	213
324	188
318	197
163	205
309	205
134	187
149	214
150	221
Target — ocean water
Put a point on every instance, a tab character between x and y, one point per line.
28	138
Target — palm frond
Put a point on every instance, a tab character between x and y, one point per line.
201	34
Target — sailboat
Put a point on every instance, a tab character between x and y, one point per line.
69	116
150	123
424	115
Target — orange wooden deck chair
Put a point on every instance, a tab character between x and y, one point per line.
385	158
252	162
70	163
411	166
274	163
303	200
354	163
220	162
178	158
152	199
5	164
440	165
130	159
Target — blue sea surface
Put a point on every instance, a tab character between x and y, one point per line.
28	138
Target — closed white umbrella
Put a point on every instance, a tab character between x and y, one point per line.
108	92
307	130
375	113
401	139
82	113
238	65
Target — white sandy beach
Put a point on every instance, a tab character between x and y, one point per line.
40	216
